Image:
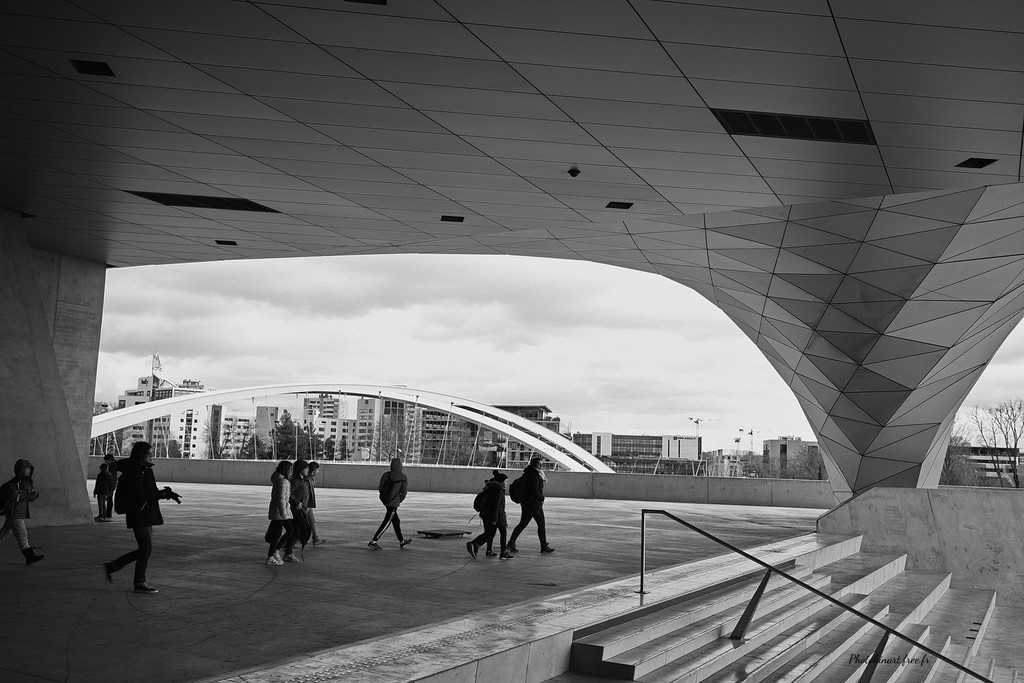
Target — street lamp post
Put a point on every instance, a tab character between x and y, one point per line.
697	421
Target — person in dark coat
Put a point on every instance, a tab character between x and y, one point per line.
139	497
16	494
102	491
111	464
280	531
299	502
493	516
391	490
532	506
314	469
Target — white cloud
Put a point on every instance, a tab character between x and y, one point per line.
606	349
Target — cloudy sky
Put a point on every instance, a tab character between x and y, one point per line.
607	349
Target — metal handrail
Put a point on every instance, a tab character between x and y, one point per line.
643	567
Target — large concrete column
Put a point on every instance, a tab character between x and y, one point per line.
51	306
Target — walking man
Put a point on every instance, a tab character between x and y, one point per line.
392	489
532	506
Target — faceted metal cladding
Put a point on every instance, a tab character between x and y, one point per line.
880	314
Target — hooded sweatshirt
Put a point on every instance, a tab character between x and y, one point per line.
494	503
393	485
137	486
18	491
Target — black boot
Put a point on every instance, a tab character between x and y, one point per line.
30	555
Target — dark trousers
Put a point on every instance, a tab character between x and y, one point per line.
101	505
108	507
140	556
488	535
280	533
390	517
531	510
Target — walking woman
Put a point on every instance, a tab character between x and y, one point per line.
138	498
280	532
392	489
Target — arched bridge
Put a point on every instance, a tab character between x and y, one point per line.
545	442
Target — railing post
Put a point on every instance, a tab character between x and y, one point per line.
875	657
643	549
748	614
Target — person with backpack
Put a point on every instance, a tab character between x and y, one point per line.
15	495
138	498
528	491
391	490
490	503
111	464
280	531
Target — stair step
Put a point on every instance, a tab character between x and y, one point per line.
720	653
925	671
648	656
613	640
777	659
850	663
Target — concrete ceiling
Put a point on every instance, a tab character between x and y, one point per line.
360	125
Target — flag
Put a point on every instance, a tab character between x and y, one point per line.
156	363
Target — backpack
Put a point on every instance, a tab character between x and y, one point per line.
384	487
515	490
478	502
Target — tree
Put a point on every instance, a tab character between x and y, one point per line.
957	468
1001	423
173	449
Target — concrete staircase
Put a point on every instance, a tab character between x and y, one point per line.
796	635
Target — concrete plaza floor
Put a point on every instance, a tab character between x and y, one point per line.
220	610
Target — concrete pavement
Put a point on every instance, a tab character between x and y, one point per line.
220	610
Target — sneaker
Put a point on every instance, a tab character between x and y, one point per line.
402	544
372	545
108	571
491	553
291	558
547	549
97	519
506	556
511	547
319	541
144	588
273	561
471	548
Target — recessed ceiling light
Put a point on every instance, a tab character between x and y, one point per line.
196	201
453	219
619	205
227	243
90	68
768	125
573	171
976	162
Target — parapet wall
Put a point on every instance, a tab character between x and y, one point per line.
649	487
973	533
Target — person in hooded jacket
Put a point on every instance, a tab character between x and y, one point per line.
299	502
493	516
17	493
280	531
139	497
532	506
392	489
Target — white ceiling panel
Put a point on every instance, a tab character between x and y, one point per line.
641	114
780	99
942	112
512	128
610	85
616	18
958	46
475	100
759	66
304	87
457	72
924	80
972	141
667	140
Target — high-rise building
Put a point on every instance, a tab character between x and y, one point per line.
177	434
644	453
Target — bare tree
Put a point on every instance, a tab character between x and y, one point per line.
1001	424
957	468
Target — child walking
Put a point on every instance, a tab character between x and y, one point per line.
15	496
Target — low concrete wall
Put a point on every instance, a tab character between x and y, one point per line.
650	487
973	533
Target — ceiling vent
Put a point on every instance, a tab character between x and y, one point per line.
762	124
619	205
195	201
227	243
976	162
84	66
453	219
